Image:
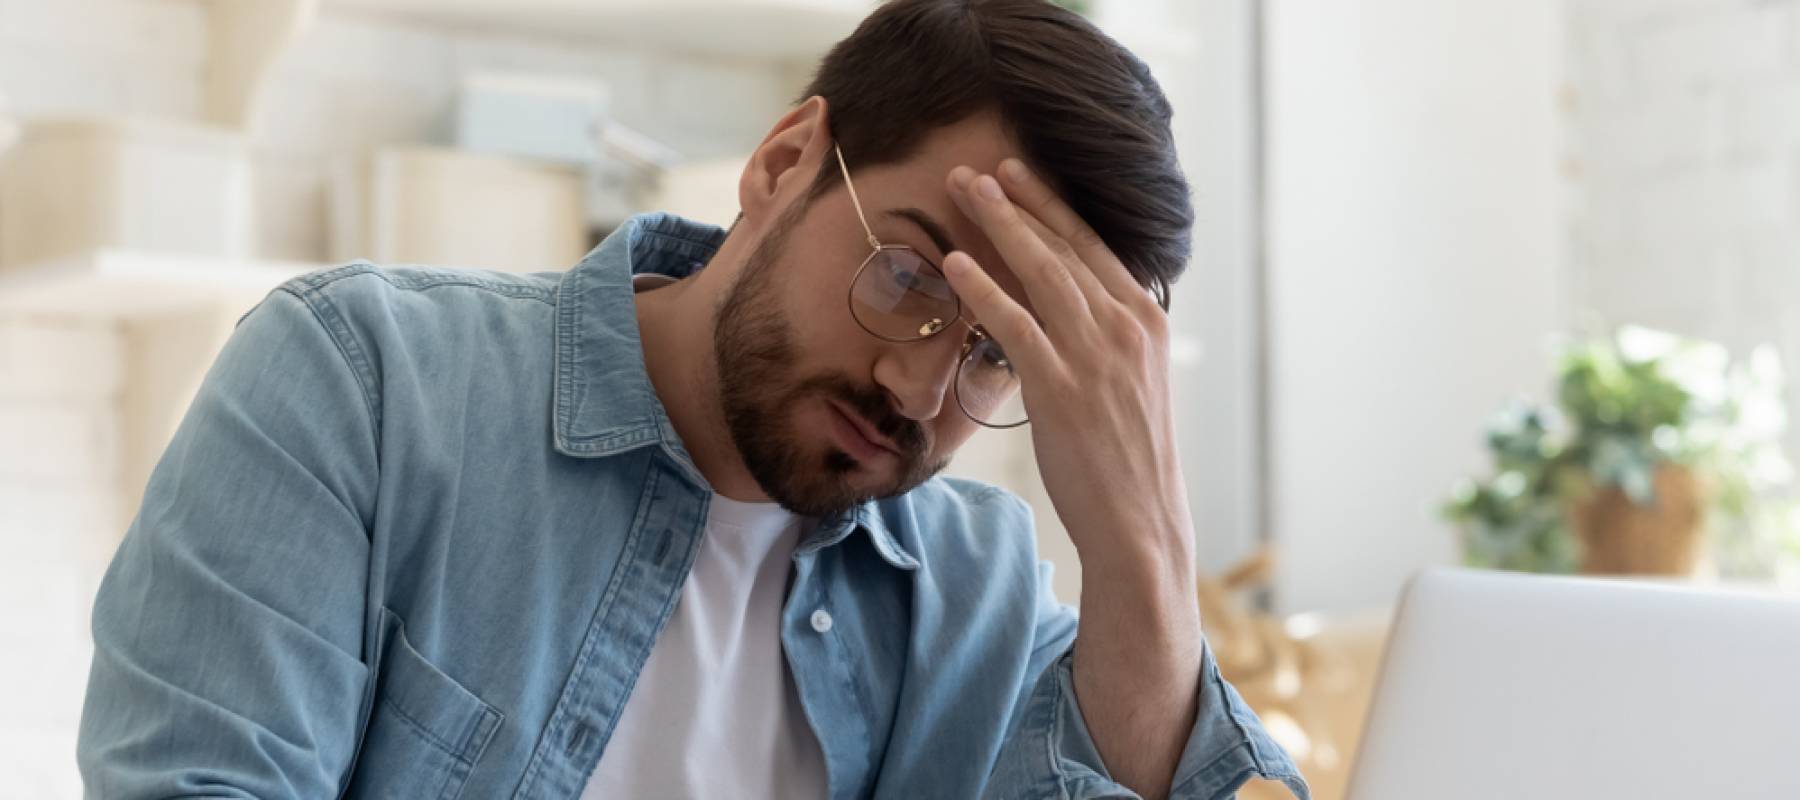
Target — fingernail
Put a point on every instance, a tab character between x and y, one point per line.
956	263
1015	170
989	188
959	177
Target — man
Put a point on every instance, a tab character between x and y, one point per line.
666	524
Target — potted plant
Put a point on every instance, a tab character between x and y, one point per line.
1660	451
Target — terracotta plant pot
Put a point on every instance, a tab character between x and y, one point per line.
1663	537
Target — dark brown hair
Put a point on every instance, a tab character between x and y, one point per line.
1084	110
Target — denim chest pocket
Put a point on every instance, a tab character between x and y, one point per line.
425	732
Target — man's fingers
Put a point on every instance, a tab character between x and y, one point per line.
1091	287
1047	280
1040	200
1005	320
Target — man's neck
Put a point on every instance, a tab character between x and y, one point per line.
675	323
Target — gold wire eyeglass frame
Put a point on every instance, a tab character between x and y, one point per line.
927	328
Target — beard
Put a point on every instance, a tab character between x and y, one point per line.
760	387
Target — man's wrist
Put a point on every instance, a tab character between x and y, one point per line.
1146	563
1137	659
1143	605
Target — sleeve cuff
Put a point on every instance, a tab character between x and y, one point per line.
1053	755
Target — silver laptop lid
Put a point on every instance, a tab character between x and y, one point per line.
1498	685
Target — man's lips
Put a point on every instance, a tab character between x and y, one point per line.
864	429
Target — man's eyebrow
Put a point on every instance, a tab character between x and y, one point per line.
938	235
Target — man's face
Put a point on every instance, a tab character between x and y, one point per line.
824	414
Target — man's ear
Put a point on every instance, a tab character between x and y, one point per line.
785	164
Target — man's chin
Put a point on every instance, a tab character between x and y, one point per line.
887	477
839	484
864	478
808	472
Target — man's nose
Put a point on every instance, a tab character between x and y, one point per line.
920	374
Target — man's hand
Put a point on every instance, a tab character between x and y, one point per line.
1095	378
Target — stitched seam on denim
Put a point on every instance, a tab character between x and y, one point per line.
423	731
1182	783
640	525
573	390
349	351
424	280
1251	768
1257	761
610	440
568	707
858	685
480	728
1244	738
322	278
1227	790
705	245
886	545
1055	731
564	366
838	666
512	293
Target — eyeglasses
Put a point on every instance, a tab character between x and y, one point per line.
898	295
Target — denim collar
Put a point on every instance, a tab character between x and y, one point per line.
604	403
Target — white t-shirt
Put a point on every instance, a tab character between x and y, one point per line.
715	712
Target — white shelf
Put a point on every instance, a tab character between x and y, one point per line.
124	284
767	29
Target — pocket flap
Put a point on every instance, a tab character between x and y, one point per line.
448	714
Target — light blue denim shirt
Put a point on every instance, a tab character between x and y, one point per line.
420	527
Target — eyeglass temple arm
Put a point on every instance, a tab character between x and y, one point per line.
873	242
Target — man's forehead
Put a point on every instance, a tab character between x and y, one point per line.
929	209
916	195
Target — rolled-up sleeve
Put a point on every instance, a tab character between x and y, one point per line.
1048	751
228	630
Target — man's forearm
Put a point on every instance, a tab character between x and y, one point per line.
1137	661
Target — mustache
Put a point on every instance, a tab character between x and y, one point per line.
873	405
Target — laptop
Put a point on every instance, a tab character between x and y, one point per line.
1505	686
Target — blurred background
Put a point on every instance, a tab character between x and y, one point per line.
1508	283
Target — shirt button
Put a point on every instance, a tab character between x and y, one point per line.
821	620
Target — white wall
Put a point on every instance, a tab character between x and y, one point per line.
1686	143
1216	315
1414	269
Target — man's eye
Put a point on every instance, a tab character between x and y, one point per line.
993	358
902	277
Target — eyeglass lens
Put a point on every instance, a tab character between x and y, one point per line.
899	296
